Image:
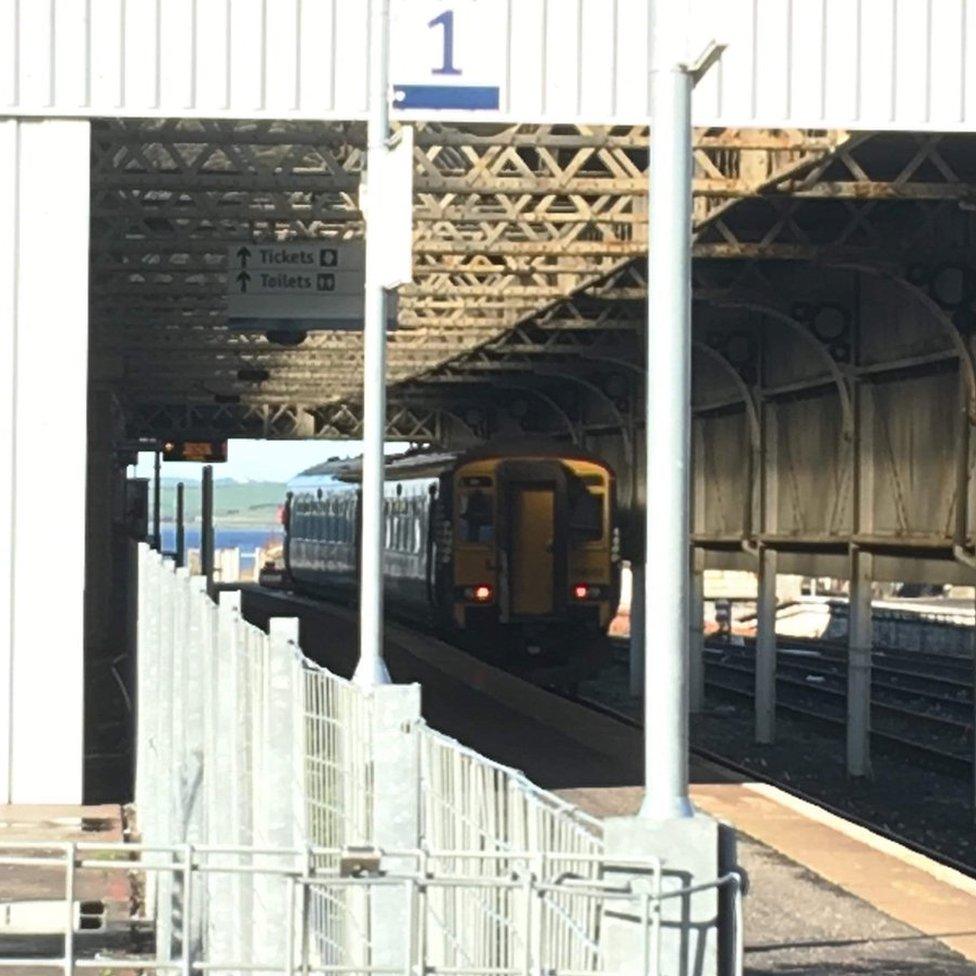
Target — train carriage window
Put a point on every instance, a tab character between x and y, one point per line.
476	521
585	511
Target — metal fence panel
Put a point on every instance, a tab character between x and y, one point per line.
294	820
474	805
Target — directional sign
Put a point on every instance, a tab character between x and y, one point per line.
448	55
296	285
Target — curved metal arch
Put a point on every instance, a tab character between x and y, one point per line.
605	398
551	402
630	453
938	313
752	411
458	418
847	406
586	384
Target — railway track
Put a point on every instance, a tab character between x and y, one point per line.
930	724
759	775
742	769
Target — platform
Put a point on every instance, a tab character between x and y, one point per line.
32	906
825	897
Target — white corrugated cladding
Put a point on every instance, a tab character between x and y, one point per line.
868	64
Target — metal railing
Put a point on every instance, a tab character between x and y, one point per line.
526	887
290	820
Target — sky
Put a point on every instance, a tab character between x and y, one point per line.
260	460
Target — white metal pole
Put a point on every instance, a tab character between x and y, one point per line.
371	669
668	420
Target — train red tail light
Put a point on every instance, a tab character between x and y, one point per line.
482	593
587	591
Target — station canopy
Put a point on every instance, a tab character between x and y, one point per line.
509	222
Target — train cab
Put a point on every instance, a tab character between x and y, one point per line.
533	548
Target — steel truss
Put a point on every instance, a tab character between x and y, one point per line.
505	223
511	286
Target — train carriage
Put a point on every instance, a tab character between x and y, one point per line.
512	550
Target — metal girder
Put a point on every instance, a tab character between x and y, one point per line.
274	421
506	222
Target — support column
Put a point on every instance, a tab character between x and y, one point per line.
860	630
371	669
157	500
668	422
766	647
180	525
696	632
44	191
109	585
638	652
696	593
859	643
206	526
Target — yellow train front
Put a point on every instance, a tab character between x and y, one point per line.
510	551
528	552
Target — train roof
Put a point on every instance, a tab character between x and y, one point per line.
349	471
339	472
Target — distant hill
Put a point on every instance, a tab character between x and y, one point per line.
235	502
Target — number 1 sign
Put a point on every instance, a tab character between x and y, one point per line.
448	54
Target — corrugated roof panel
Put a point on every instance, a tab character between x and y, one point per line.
866	64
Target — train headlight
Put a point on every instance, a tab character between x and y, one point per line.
481	593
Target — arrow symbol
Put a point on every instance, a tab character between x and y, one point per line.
243	278
244	253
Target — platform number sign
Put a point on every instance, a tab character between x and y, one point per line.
448	54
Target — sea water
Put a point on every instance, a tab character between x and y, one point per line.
247	538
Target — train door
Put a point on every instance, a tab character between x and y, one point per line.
532	565
532	538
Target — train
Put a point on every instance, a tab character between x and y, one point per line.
512	551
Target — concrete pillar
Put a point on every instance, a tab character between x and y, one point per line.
396	814
696	631
232	909
766	647
283	824
44	231
696	928
859	644
638	653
